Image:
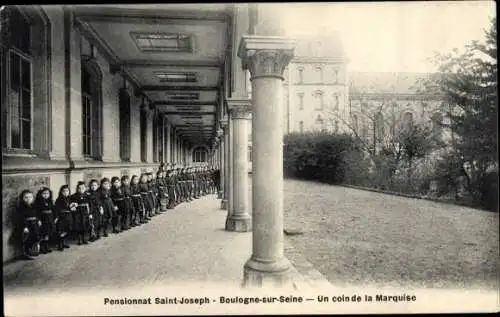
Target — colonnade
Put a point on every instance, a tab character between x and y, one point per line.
265	53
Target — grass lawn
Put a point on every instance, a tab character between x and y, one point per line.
358	237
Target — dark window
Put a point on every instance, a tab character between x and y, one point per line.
355	123
301	101
144	127
91	108
16	29
155	138
379	126
301	126
199	155
124	101
301	75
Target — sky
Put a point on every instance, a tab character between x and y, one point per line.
393	36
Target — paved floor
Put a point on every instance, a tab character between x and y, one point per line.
186	244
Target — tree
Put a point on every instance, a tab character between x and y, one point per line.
468	81
392	144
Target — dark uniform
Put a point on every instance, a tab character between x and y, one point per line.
171	190
152	194
30	227
81	216
64	220
146	198
108	209
137	200
44	208
129	205
162	191
95	214
119	201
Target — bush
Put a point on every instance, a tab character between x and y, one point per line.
319	156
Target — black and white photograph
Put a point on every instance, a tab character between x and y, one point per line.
249	158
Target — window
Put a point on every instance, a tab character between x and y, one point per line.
336	101
319	120
336	77
407	119
17	30
124	101
437	121
91	108
301	101
170	77
172	144
199	155
301	74
144	129
379	126
249	153
162	42
301	126
155	138
355	123
319	74
318	96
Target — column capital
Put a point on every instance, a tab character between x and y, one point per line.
224	124
240	108
266	56
220	132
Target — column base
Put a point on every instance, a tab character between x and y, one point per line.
239	223
258	273
223	204
220	194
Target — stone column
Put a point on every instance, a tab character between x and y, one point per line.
169	140
220	133
239	219
225	127
230	187
266	57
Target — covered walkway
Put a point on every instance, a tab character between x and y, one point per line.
98	92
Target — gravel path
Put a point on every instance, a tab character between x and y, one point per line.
359	237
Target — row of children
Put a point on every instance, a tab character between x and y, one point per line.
122	203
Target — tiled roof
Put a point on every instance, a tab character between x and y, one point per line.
381	82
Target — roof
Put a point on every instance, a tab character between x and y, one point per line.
385	82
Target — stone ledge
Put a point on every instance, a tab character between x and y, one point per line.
15	164
414	196
305	276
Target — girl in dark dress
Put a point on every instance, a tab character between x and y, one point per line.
63	210
82	212
171	190
44	205
153	193
96	210
162	191
131	214
29	225
146	196
119	201
137	200
109	208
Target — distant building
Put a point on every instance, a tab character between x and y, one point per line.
381	102
316	84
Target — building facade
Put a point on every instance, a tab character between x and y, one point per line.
380	104
316	84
